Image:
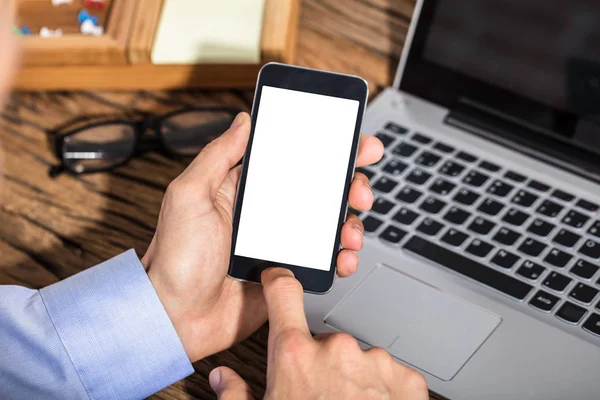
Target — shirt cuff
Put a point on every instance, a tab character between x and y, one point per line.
116	331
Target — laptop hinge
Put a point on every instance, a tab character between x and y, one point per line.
530	140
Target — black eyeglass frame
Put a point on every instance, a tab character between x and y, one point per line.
143	142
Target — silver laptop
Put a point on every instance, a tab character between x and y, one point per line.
481	263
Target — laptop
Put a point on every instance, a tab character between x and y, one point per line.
481	261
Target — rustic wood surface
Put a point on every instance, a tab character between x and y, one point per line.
51	229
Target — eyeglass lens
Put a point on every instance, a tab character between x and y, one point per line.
188	132
99	147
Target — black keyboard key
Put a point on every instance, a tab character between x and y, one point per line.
395	128
385	185
515	217
505	259
382	206
556	281
499	188
587	205
532	247
475	179
432	205
404	149
450	168
583	293
466	157
368	173
479	248
564	196
408	195
490	207
481	226
469	268
371	224
443	147
442	187
570	312
466	197
530	270
584	269
420	138
430	227
539	186
575	219
454	237
595	229
405	216
592	324
385	138
506	236
591	249
457	215
524	198
418	176
549	208
558	258
566	238
427	159
544	301
489	166
515	177
395	167
392	234
540	227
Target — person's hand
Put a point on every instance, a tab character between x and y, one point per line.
188	258
8	48
330	366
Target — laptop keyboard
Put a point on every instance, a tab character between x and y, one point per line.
537	244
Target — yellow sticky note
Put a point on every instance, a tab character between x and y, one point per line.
209	31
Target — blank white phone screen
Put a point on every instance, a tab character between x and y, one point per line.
296	177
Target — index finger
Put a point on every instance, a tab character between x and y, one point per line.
285	301
370	151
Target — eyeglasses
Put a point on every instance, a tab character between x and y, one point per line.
104	145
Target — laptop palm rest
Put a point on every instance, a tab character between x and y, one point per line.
418	324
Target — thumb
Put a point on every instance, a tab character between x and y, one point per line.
211	166
228	385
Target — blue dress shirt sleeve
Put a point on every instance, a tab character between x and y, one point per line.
100	334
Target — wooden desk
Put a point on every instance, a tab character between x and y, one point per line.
51	229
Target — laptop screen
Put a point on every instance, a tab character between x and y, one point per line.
536	61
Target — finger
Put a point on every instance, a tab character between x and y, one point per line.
352	233
285	301
227	384
229	187
347	263
370	151
211	166
360	196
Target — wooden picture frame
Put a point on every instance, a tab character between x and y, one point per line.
120	59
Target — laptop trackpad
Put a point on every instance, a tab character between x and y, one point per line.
418	324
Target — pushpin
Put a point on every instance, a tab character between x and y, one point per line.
89	28
48	33
26	31
16	30
85	16
57	3
96	4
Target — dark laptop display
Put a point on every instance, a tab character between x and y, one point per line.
527	71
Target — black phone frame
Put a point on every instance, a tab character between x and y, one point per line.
309	81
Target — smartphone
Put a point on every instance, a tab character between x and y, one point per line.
296	173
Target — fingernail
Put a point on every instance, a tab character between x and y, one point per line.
368	186
238	120
214	379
